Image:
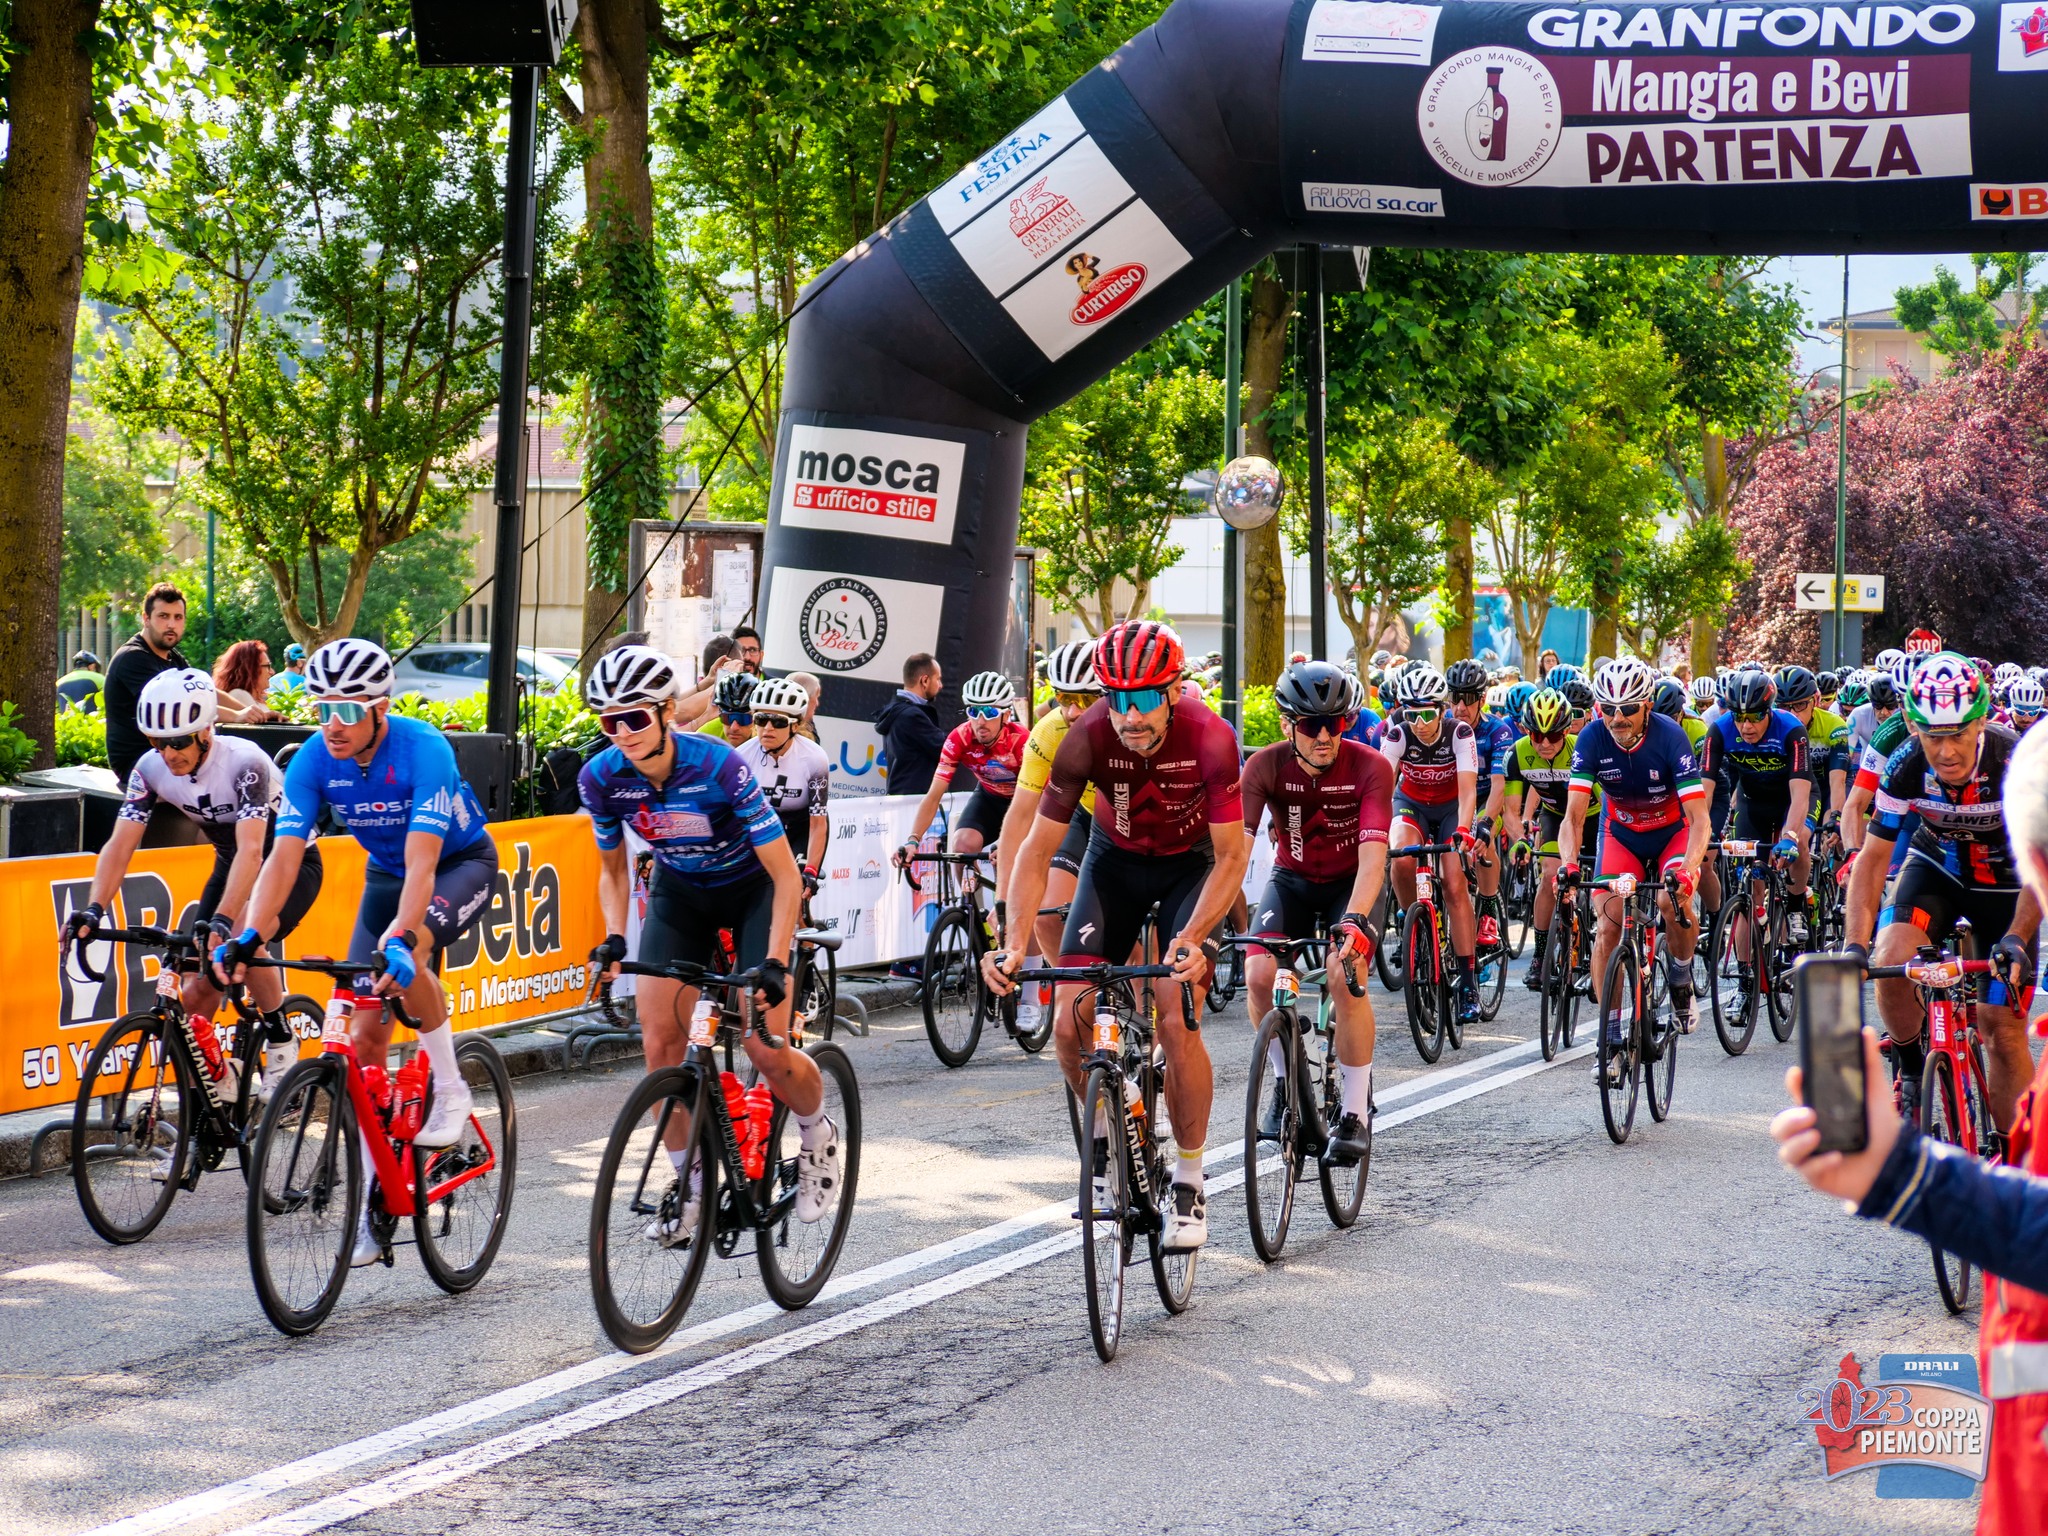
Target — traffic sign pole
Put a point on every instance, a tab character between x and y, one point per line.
1842	475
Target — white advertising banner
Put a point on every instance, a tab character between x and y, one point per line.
850	626
881	484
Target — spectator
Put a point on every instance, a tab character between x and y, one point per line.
808	681
294	673
79	688
748	641
153	649
1545	662
696	705
1995	1217
909	723
241	680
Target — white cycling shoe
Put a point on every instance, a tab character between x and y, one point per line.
278	1060
450	1117
676	1225
367	1250
1187	1220
817	1172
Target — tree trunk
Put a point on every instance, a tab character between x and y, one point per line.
1706	627
1529	616
624	471
1264	621
1606	639
51	125
1456	591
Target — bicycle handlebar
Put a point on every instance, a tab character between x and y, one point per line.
340	970
1419	848
1103	974
1921	972
149	938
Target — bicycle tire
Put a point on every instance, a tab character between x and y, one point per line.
1554	997
1269	1192
795	1271
307	1142
815	992
1386	961
621	1234
459	1235
1492	967
1343	1185
110	1195
1173	1272
1779	1002
1941	1117
1618	1098
248	1110
1105	1233
951	979
1733	1005
1666	1063
1422	980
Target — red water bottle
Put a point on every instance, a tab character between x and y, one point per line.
411	1095
736	1110
378	1081
760	1113
213	1061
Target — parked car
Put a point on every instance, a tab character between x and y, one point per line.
455	671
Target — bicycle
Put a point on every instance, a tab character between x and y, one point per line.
1273	1164
1386	955
1124	1198
1567	961
955	999
307	1166
1752	888
1518	895
1649	1040
1955	1096
1489	961
648	1241
814	977
1428	978
130	1163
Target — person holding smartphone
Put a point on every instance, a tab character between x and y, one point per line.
1995	1216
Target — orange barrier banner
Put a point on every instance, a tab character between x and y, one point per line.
524	958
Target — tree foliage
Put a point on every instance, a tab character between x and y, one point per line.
113	538
1966	324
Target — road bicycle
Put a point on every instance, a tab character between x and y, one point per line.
1567	961
956	1000
1290	1115
1955	1094
306	1176
1648	1049
1749	948
1489	960
1827	914
653	1225
1124	1148
1518	896
164	1116
1429	977
1386	956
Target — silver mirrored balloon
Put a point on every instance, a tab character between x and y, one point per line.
1248	492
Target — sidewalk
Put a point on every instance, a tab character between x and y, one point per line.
528	1052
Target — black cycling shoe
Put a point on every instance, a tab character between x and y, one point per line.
1533	977
1468	1000
1350	1144
1270	1126
1908	1088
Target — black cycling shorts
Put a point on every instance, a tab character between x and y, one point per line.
463	883
983	813
1291	903
1927	897
683	920
304	892
1117	889
1760	819
1075	843
1548	822
1437	822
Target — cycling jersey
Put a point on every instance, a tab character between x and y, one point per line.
1647	786
1862	726
994	763
1550	777
410	785
1889	735
1827	736
1762	769
796	785
1427	771
1039	747
1695	731
1367	728
1162	804
1494	739
1962	827
236	782
1321	818
703	821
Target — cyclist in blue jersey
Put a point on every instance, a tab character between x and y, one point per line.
1653	818
721	861
1494	739
1760	758
1368	727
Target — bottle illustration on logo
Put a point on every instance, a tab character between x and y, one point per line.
1486	125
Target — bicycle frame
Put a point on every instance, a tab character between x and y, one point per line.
1948	1003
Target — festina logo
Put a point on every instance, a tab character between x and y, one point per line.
1005	158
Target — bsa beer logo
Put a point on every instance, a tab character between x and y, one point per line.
1491	116
1102	293
843	624
1043	220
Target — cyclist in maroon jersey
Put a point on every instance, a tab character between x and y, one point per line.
1332	801
1436	795
1169	828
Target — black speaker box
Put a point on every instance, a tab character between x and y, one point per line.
455	33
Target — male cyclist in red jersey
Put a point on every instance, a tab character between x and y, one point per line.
1436	767
990	742
1169	828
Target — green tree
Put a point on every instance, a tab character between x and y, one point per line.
2000	305
1102	486
1665	581
114	540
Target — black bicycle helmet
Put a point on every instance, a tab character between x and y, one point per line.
1751	693
1668	698
1466	676
1828	684
1313	688
1884	693
1579	694
736	692
1796	685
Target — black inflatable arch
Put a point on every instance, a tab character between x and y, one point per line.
1232	127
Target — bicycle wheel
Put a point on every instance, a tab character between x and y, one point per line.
1343	1187
1554	997
1774	973
1172	1272
1386	955
1619	1059
797	1256
306	1188
648	1245
1518	895
1734	1005
1492	964
463	1193
1272	1136
952	988
1659	1074
1941	1116
1032	1041
1422	962
1105	1244
127	1164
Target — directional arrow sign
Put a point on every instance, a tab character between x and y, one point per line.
1815	590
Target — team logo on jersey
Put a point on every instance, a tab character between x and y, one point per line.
843	624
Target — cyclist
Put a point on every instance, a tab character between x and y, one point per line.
1758	757
230	789
1493	738
721	861
2025	701
1959	864
1070	671
1169	829
1653	819
1366	725
1827	740
432	866
991	743
1887	735
1828	688
1538	786
1436	773
1332	800
792	770
732	721
1705	692
1579	694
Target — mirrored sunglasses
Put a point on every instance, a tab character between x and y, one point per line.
1321	725
781	722
625	722
1420	713
1075	700
1621	711
347	711
173	743
1144	700
987	711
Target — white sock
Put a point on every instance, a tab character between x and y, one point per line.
1357	1088
1187	1168
369	1177
1278	1058
679	1157
810	1129
439	1044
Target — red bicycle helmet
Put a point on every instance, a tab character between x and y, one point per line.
1139	653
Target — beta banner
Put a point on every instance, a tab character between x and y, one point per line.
524	959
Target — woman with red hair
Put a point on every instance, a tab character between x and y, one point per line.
242	678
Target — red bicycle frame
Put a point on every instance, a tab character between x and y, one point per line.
1951	1008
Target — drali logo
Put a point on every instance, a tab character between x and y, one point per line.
1102	293
843	625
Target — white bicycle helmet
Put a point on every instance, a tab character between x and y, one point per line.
779	696
349	669
631	676
1071	668
986	689
1901	669
2005	674
1704	691
1421	686
1888	659
2026	697
1626	681
177	703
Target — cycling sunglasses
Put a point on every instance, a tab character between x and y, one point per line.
347	711
1320	725
987	711
1421	714
1075	700
1546	738
1621	711
173	743
737	716
625	722
781	722
1461	697
1752	716
1144	700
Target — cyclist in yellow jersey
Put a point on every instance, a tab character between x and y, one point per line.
1071	671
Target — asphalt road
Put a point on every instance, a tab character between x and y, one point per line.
1529	1330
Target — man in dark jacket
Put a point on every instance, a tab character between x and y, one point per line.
154	649
909	723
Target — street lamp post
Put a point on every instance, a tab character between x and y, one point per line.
1318	471
1834	656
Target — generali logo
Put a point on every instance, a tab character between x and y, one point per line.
1043	220
1102	293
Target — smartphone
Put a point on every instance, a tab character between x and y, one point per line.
1831	1049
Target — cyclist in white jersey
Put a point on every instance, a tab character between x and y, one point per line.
794	774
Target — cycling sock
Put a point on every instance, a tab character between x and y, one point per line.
439	1044
1542	943
811	1129
1276	1058
679	1156
1187	1168
1911	1056
1356	1088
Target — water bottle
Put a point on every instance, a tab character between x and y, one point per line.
410	1095
341	1009
760	1115
735	1108
214	1065
378	1081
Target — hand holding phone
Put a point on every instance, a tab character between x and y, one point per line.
1833	1079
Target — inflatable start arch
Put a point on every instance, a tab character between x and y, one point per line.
1232	127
